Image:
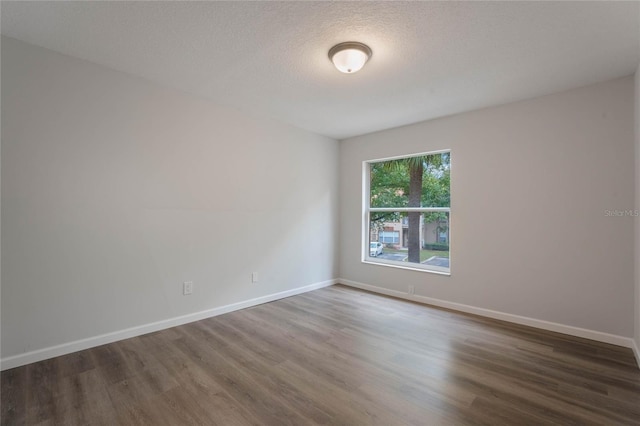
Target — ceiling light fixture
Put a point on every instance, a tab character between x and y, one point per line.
350	56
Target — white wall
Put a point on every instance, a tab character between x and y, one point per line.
530	185
115	191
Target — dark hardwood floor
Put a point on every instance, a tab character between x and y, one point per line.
334	356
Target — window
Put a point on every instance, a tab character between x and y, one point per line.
444	236
407	209
389	237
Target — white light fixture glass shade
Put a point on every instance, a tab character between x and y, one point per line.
349	57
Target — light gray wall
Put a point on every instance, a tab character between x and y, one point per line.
115	191
637	219
530	185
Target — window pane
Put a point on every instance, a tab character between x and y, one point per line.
421	181
435	245
420	238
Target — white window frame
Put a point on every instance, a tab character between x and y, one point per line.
366	219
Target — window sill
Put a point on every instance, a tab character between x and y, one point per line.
398	265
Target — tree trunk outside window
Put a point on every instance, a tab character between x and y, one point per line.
416	169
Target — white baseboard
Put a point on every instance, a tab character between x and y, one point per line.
517	319
78	345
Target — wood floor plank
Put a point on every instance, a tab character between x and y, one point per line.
346	407
42	385
241	385
83	399
335	356
14	396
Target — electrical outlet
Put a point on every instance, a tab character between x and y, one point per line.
412	289
254	277
187	287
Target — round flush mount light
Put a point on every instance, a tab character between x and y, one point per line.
350	56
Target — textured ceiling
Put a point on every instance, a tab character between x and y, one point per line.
430	59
